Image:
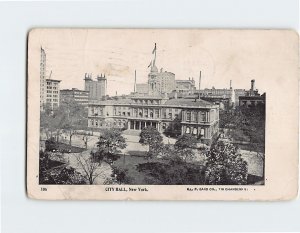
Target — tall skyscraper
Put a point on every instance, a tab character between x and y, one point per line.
42	78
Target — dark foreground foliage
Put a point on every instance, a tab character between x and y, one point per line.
54	172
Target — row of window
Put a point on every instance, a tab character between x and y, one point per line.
54	96
141	101
99	123
49	87
52	100
152	113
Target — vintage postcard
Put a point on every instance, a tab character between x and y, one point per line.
162	114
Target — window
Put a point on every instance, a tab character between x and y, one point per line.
188	130
151	114
195	117
188	116
170	115
195	131
202	116
164	113
156	113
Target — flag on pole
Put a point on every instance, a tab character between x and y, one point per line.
150	64
154	50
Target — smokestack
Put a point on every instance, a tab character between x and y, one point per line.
134	88
252	84
199	84
230	84
200	81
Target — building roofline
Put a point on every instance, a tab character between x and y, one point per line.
53	80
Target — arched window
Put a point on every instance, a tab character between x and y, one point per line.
195	131
188	130
151	114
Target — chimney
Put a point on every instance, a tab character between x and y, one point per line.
200	81
199	84
252	84
175	95
230	84
134	88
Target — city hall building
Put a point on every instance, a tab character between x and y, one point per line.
192	116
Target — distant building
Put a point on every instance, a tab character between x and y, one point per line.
79	96
237	94
42	78
192	116
96	88
52	94
252	97
142	88
185	86
249	101
160	82
213	92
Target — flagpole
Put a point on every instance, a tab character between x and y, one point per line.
154	54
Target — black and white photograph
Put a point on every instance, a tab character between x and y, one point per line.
148	112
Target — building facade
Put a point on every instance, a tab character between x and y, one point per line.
52	93
96	88
160	82
186	86
250	101
42	78
188	116
252	97
79	96
142	88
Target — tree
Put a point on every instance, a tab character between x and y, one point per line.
86	138
185	145
90	166
150	136
73	118
54	172
110	141
224	165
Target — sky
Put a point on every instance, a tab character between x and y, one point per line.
221	56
